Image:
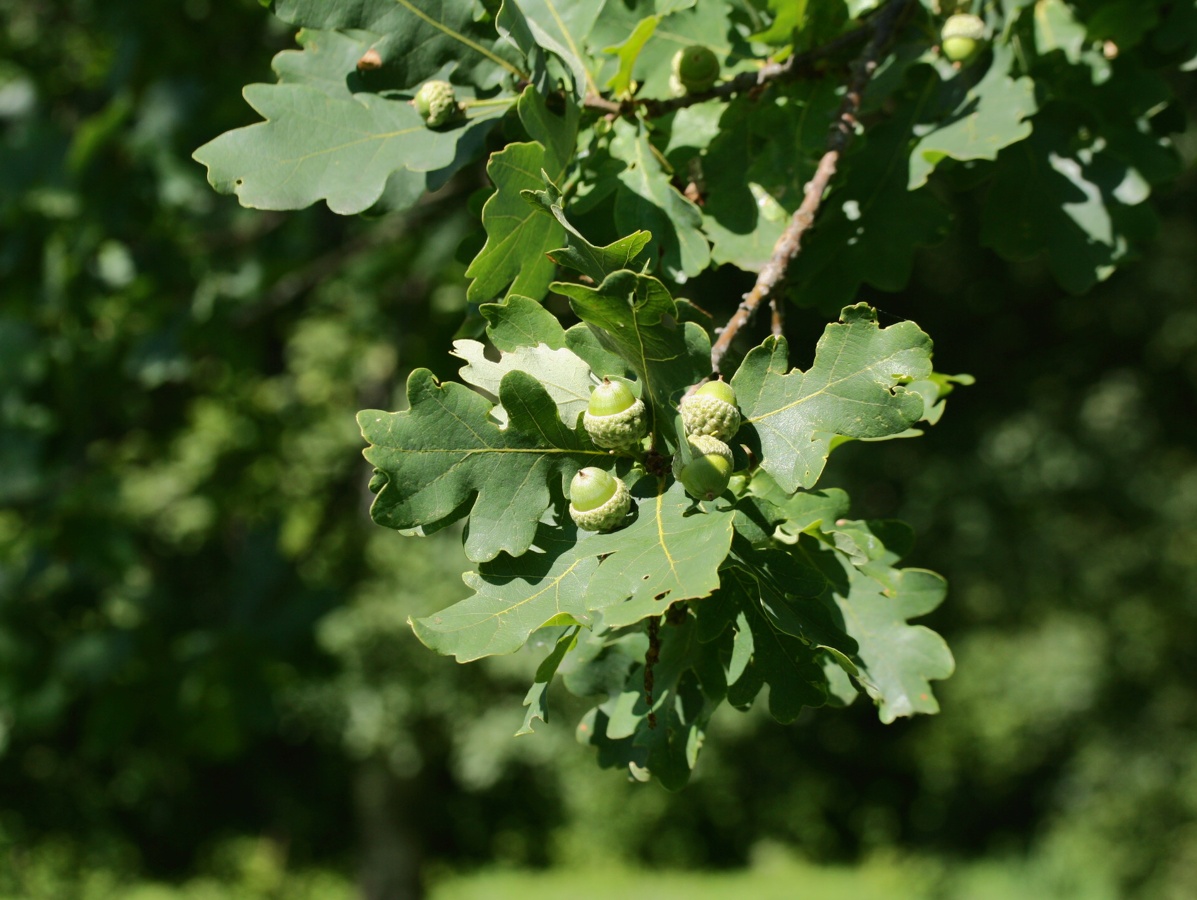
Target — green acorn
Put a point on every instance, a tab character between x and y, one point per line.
706	476
615	418
695	68
598	501
711	410
962	37
436	102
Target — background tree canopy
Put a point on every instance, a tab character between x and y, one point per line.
204	638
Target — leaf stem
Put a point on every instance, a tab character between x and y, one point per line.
493	101
788	246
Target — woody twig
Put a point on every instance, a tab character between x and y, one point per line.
788	246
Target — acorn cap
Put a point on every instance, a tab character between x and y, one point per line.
711	410
963	25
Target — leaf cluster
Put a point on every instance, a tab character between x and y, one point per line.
1060	127
765	585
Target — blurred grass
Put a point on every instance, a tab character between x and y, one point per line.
880	878
251	869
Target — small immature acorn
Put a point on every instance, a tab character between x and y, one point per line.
598	501
436	102
615	418
706	476
962	37
695	68
711	410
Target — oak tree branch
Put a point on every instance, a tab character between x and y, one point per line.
800	65
788	246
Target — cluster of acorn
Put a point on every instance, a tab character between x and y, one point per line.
615	420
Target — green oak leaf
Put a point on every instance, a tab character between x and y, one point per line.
1056	28
514	28
871	225
742	219
765	654
1127	21
418	39
621	83
853	388
521	322
513	597
517	240
327	60
980	119
898	660
785	585
596	263
683	702
755	168
647	199
1080	207
803	24
671	552
315	147
794	513
537	697
709	22
788	16
934	390
584	341
598	666
444	455
1126	111
883	541
563	375
635	317
562	28
693	128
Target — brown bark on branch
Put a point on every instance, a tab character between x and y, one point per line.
788	246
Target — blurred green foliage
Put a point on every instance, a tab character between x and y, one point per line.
203	640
